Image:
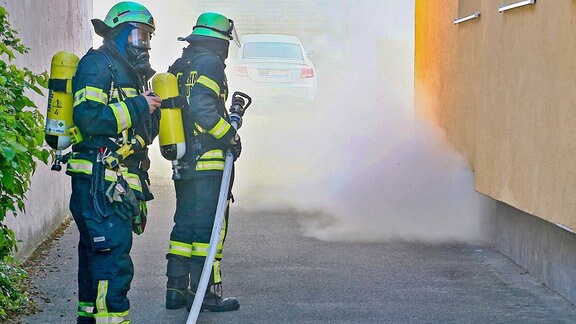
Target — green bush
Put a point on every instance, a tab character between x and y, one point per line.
21	138
13	297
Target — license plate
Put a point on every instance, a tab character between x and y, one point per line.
274	73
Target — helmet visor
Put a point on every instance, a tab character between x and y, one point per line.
233	34
139	38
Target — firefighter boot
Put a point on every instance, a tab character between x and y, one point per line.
177	292
214	302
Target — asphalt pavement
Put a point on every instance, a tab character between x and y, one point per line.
280	275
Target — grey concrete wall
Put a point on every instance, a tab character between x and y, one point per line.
46	27
542	248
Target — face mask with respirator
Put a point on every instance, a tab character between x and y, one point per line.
137	52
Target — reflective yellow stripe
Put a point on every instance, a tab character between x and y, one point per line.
85	167
201	249
112	318
90	93
129	92
213	154
209	165
101	297
220	129
79	97
122	115
209	83
217	277
133	180
79	166
180	248
86	309
223	231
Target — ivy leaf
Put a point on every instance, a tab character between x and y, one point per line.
19	148
37	90
44	156
8	181
5	50
42	79
8	153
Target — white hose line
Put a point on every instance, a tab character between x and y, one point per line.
214	239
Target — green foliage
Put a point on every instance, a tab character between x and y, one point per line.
12	290
21	138
21	130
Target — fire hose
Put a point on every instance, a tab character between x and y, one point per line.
240	102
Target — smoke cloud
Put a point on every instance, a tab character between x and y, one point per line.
354	165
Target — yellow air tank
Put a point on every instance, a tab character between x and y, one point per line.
60	101
171	136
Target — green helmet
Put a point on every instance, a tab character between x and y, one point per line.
125	12
211	24
215	25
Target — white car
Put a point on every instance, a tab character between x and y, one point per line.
274	65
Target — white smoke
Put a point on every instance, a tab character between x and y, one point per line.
355	163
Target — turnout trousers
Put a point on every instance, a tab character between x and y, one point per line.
105	268
196	203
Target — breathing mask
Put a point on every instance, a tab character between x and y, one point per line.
137	49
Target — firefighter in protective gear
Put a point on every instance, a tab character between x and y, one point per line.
114	114
201	79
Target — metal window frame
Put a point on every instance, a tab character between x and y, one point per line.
459	20
510	6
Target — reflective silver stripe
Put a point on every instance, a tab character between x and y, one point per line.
129	92
90	93
220	129
122	115
200	129
101	297
180	248
209	83
133	181
223	230
213	154
217	272
85	309
85	167
79	166
79	97
201	249
112	318
209	165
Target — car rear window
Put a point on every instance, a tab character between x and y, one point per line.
272	50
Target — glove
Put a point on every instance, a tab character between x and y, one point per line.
122	198
236	147
139	221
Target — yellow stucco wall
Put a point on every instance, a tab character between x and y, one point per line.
502	87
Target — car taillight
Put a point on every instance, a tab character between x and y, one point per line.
241	71
306	73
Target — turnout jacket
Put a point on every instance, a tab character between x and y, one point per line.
202	81
107	103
